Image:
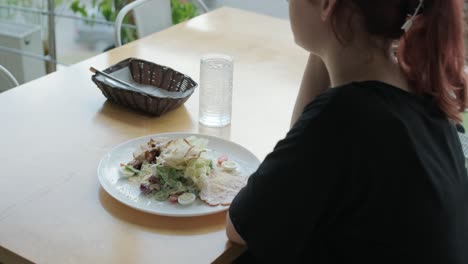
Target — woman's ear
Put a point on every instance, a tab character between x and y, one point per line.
327	8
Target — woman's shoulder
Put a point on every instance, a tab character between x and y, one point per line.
366	95
339	100
364	102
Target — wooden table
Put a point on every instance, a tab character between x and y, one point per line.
55	130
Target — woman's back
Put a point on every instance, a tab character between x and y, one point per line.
376	174
408	190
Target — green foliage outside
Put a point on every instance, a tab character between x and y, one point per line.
181	11
109	10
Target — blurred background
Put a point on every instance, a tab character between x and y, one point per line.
38	37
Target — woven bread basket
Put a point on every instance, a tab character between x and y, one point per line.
168	90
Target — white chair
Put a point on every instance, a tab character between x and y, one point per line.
150	16
9	77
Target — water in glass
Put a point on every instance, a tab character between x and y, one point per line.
216	74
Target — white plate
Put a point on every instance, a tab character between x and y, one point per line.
129	193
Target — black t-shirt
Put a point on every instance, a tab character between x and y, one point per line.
369	174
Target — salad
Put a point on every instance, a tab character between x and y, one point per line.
182	170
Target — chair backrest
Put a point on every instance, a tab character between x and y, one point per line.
6	74
150	16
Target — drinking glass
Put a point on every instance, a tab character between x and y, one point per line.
215	90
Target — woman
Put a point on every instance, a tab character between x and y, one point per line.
372	171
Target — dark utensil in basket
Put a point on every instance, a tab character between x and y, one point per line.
157	89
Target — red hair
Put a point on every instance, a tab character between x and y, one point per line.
431	53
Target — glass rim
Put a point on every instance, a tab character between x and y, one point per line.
216	56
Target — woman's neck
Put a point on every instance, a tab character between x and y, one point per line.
353	64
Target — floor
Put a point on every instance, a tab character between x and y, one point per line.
275	8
